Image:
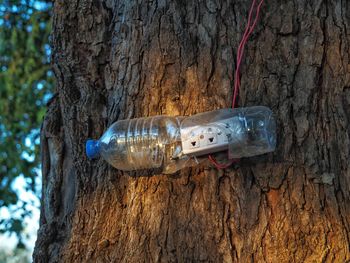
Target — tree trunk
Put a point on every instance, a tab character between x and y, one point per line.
124	59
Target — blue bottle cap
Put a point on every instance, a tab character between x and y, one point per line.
92	149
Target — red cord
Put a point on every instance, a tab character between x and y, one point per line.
219	165
248	31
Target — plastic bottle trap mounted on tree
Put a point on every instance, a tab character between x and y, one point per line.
172	143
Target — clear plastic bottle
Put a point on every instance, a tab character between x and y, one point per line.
143	143
172	143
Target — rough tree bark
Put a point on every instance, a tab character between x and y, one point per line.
122	59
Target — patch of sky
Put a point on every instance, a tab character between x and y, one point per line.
40	86
31	221
46	98
40	5
29	28
47	50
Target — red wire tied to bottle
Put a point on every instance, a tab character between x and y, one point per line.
248	31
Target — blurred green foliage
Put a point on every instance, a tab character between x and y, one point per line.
14	256
25	85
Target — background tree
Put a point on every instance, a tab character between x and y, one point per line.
122	59
25	84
